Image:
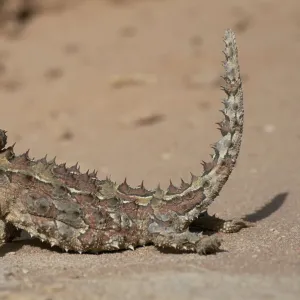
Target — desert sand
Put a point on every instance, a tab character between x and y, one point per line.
131	88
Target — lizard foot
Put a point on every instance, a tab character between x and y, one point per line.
188	241
206	222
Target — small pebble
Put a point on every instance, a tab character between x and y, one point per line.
269	128
166	155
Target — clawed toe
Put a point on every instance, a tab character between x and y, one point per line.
208	245
232	226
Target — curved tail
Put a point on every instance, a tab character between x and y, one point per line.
192	198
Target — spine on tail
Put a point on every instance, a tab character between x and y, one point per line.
197	195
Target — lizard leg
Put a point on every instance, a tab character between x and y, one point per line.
187	241
206	222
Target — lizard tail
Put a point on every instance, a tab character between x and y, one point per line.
194	197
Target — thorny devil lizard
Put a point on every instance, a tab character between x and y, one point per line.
81	213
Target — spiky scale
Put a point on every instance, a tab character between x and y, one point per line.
172	189
94	174
194	178
159	193
124	187
208	166
184	185
85	177
52	161
26	153
74	169
142	185
23	158
3	139
224	127
43	160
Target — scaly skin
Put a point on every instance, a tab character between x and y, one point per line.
79	212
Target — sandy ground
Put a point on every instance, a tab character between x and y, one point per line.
131	88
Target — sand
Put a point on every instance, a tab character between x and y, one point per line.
131	88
